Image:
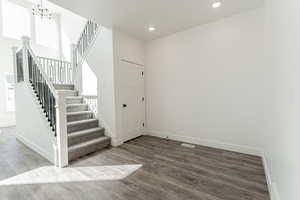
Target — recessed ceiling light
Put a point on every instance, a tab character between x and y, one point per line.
151	28
216	4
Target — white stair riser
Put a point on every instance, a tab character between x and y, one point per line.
74	101
69	93
88	149
63	87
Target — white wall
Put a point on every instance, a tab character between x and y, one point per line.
128	47
100	60
71	27
233	84
132	50
205	84
35	132
282	55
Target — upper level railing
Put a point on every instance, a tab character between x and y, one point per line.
86	38
58	71
79	52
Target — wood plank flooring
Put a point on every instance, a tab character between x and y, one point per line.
169	172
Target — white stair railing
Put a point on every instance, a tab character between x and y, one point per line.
79	53
58	71
86	38
80	50
92	102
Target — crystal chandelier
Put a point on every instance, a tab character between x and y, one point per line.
41	11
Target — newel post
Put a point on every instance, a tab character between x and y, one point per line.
62	135
14	53
25	45
74	62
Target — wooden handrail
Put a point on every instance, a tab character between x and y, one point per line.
49	83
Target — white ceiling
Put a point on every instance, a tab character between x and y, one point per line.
168	16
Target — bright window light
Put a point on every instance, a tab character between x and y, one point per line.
89	80
49	174
10	92
66	46
46	32
16	20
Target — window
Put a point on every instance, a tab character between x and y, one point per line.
89	80
46	32
9	92
16	20
66	47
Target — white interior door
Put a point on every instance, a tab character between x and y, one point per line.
132	99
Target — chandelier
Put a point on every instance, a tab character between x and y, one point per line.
41	11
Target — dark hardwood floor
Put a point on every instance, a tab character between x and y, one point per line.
168	172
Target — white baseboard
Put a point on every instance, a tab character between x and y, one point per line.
272	186
8	126
205	142
36	148
116	142
268	175
274	195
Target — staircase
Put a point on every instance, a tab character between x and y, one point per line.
84	133
71	124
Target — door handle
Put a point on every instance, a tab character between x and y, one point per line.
124	105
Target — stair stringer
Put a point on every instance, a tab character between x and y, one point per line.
33	128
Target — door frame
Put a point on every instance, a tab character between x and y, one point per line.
123	138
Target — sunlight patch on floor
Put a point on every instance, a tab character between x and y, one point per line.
51	174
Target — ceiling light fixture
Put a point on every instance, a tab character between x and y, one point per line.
151	28
216	4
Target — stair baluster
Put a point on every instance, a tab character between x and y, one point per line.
45	96
87	37
79	53
58	71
